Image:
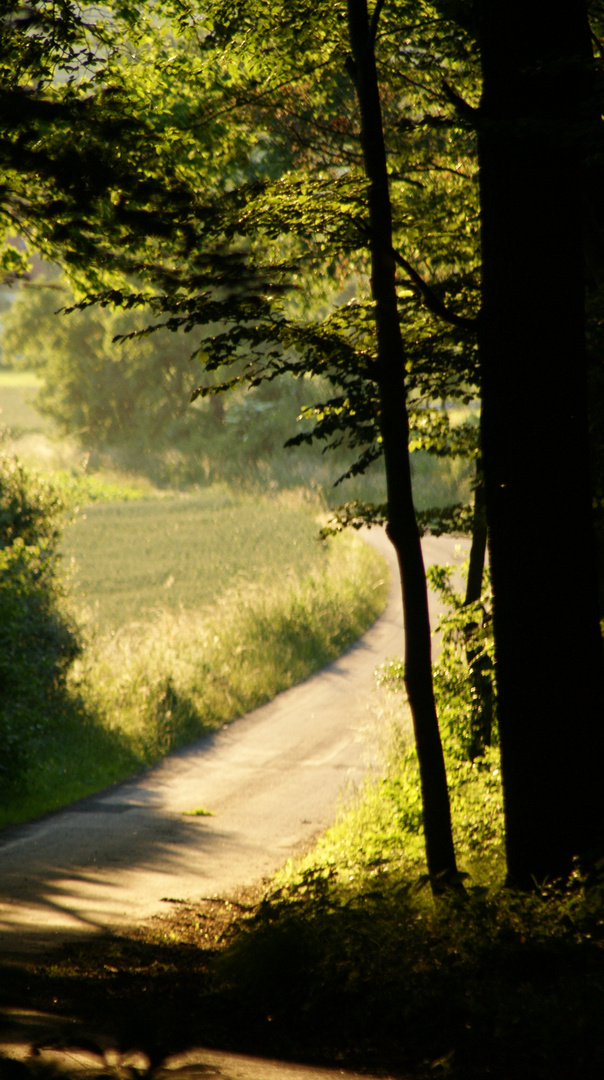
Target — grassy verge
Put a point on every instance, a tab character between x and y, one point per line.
135	695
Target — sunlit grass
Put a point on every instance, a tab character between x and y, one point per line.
164	682
379	828
131	560
25	380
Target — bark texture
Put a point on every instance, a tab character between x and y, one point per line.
536	68
479	665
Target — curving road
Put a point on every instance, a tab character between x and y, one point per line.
271	781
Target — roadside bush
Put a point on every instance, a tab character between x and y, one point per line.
29	506
37	641
464	690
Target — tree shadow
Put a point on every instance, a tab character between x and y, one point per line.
66	875
376	980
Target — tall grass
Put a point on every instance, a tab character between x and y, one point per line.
165	682
155	686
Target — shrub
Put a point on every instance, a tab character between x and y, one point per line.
29	506
37	641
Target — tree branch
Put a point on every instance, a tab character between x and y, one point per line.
431	300
465	110
375	18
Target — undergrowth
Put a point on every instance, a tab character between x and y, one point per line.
349	959
373	972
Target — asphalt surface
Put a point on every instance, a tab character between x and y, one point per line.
270	780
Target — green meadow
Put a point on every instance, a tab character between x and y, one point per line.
131	560
17	388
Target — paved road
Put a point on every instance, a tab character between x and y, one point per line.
271	780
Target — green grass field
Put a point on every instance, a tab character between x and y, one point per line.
17	413
131	560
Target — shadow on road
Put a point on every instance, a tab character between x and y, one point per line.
66	894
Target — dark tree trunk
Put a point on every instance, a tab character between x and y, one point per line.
550	670
402	527
478	549
478	663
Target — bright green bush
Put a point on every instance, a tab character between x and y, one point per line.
382	828
29	506
466	640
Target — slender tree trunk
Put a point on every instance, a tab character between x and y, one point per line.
550	669
478	549
402	527
478	663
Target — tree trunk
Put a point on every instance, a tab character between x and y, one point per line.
550	669
478	549
478	664
402	526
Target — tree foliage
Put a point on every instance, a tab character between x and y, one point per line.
251	212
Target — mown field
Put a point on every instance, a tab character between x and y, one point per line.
132	560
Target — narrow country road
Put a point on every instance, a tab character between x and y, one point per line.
271	781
